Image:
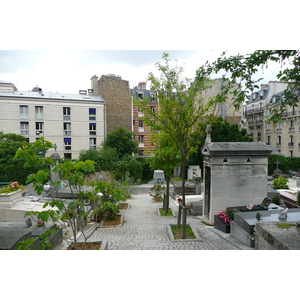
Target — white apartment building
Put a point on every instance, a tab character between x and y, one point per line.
73	122
283	136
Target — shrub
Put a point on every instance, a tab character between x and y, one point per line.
280	183
276	200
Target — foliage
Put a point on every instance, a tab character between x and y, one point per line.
157	191
128	165
227	215
298	198
121	140
147	172
285	225
221	131
241	69
12	169
74	173
176	230
106	210
280	183
286	163
12	187
276	200
105	158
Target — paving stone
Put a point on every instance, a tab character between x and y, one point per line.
143	229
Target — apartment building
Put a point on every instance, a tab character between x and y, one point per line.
283	136
73	122
142	132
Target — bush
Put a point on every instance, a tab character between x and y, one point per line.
280	183
276	200
106	210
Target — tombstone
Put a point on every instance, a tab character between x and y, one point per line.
194	171
235	174
158	176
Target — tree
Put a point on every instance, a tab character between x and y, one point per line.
221	131
166	157
179	113
242	68
73	173
122	141
12	169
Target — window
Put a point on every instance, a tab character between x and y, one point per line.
24	128
141	126
92	143
67	143
67	128
153	108
278	141
268	140
23	111
291	143
141	139
92	113
67	155
152	97
92	128
67	113
39	114
291	153
141	152
140	95
39	128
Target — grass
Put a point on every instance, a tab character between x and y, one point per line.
178	234
285	225
162	212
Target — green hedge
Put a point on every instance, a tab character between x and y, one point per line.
286	163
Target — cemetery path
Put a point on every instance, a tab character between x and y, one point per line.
144	229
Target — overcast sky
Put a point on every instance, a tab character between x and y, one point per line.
68	71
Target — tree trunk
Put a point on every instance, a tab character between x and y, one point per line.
166	198
183	164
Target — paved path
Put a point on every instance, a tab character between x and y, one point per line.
143	229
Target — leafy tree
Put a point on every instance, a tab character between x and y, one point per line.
221	131
12	169
73	173
128	166
122	141
105	158
242	68
178	116
166	157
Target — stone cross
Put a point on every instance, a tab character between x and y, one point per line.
208	134
277	162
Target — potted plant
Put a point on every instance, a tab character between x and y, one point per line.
223	219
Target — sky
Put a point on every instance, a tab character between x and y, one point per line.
68	71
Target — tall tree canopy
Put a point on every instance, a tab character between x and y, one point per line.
122	141
241	68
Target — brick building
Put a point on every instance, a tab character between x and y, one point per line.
116	93
142	133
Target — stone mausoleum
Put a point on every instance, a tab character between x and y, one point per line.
235	174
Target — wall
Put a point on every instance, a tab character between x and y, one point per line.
116	94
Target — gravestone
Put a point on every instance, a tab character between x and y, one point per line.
194	171
235	174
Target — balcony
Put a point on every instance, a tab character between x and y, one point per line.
291	129
291	144
278	129
278	144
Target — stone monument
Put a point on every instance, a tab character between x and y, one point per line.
235	174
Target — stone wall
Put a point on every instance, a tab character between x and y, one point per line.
116	94
269	237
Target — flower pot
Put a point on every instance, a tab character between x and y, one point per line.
10	199
220	225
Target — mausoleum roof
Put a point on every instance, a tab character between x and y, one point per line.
236	148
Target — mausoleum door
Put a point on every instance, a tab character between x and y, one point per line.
207	190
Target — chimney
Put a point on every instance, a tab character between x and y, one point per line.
142	85
94	85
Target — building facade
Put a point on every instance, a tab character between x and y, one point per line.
73	122
283	136
142	132
116	94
